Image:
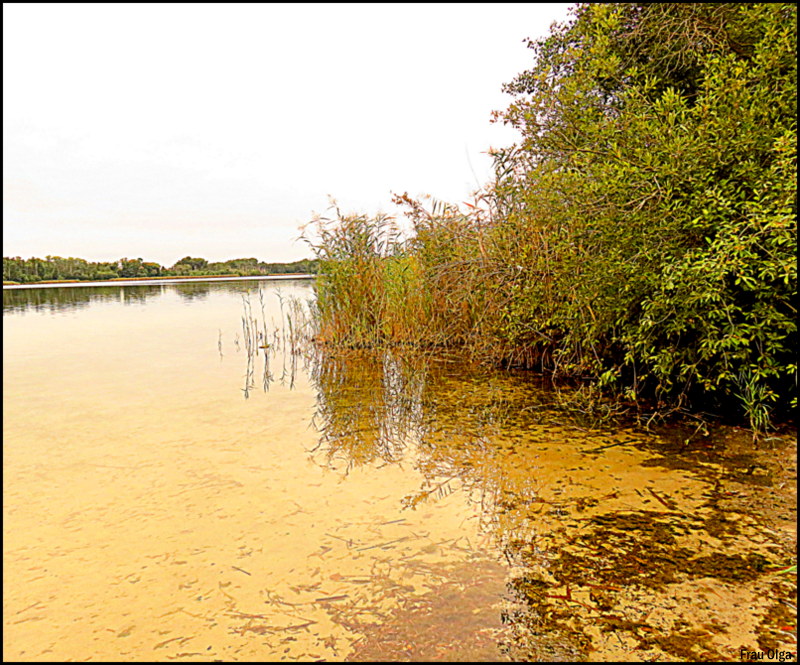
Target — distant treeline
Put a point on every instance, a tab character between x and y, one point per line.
16	269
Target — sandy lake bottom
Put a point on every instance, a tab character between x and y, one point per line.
182	483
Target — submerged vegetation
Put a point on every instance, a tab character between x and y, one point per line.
57	268
640	236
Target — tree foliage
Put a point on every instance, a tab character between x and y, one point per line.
656	181
55	268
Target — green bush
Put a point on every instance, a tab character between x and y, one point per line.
658	165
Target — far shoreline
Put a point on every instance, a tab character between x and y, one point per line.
170	279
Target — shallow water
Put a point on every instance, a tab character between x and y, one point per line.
172	490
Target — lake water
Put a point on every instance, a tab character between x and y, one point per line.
184	481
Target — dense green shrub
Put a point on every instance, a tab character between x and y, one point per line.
658	163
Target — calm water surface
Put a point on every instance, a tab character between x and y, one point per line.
180	483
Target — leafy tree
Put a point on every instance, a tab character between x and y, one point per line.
190	264
130	267
151	269
652	200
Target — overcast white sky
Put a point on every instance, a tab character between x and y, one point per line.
158	131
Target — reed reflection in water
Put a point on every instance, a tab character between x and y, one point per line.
287	338
79	297
619	544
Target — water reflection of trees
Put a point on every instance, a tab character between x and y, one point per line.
192	291
70	298
63	299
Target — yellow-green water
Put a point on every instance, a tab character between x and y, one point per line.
168	495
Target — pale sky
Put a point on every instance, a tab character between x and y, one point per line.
158	131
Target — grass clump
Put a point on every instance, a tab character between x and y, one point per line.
368	286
